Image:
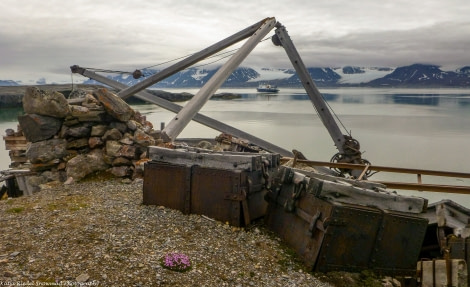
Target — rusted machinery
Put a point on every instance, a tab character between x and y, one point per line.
331	221
227	186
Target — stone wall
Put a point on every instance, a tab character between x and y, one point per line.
70	139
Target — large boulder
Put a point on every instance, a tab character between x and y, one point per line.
46	103
85	164
38	128
114	105
46	151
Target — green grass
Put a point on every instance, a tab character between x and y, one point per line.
15	210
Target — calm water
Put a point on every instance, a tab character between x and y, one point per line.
415	128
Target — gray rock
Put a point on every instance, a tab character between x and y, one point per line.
77	143
122	127
76	111
112	148
46	151
120	161
127	139
98	130
78	94
37	127
35	182
51	176
114	105
112	134
82	278
133	125
121	171
78	131
143	139
84	114
91	102
46	103
127	151
83	165
95	142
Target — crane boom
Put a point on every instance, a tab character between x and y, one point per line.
348	148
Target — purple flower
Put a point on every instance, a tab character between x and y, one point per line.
176	262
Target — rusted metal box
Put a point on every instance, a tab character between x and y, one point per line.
330	236
234	195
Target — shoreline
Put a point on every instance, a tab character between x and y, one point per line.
11	96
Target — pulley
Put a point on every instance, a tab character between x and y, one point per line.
137	74
275	40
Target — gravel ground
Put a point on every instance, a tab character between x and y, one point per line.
98	233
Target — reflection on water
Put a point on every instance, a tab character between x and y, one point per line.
427	129
10	114
464	102
430	100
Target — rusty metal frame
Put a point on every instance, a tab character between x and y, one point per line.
420	186
138	89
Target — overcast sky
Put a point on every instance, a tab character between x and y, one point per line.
42	39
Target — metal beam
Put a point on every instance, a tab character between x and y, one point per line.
180	121
461	189
191	60
427	187
202	119
382	168
312	91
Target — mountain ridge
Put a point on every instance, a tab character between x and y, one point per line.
415	75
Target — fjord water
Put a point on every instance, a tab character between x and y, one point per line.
413	128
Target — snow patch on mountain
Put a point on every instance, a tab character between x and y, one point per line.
366	75
199	74
268	74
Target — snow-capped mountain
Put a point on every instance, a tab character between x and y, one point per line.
416	75
424	75
8	83
242	77
359	75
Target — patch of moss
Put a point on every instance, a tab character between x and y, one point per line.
78	206
98	176
15	210
52	206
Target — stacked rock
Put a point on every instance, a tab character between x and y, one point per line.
96	132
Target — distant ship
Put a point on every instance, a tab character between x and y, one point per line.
266	88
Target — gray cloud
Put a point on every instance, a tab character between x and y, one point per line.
43	39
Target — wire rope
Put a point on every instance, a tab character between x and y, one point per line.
336	116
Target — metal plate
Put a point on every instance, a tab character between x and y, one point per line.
330	236
294	228
225	195
167	185
398	243
232	196
212	191
349	239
